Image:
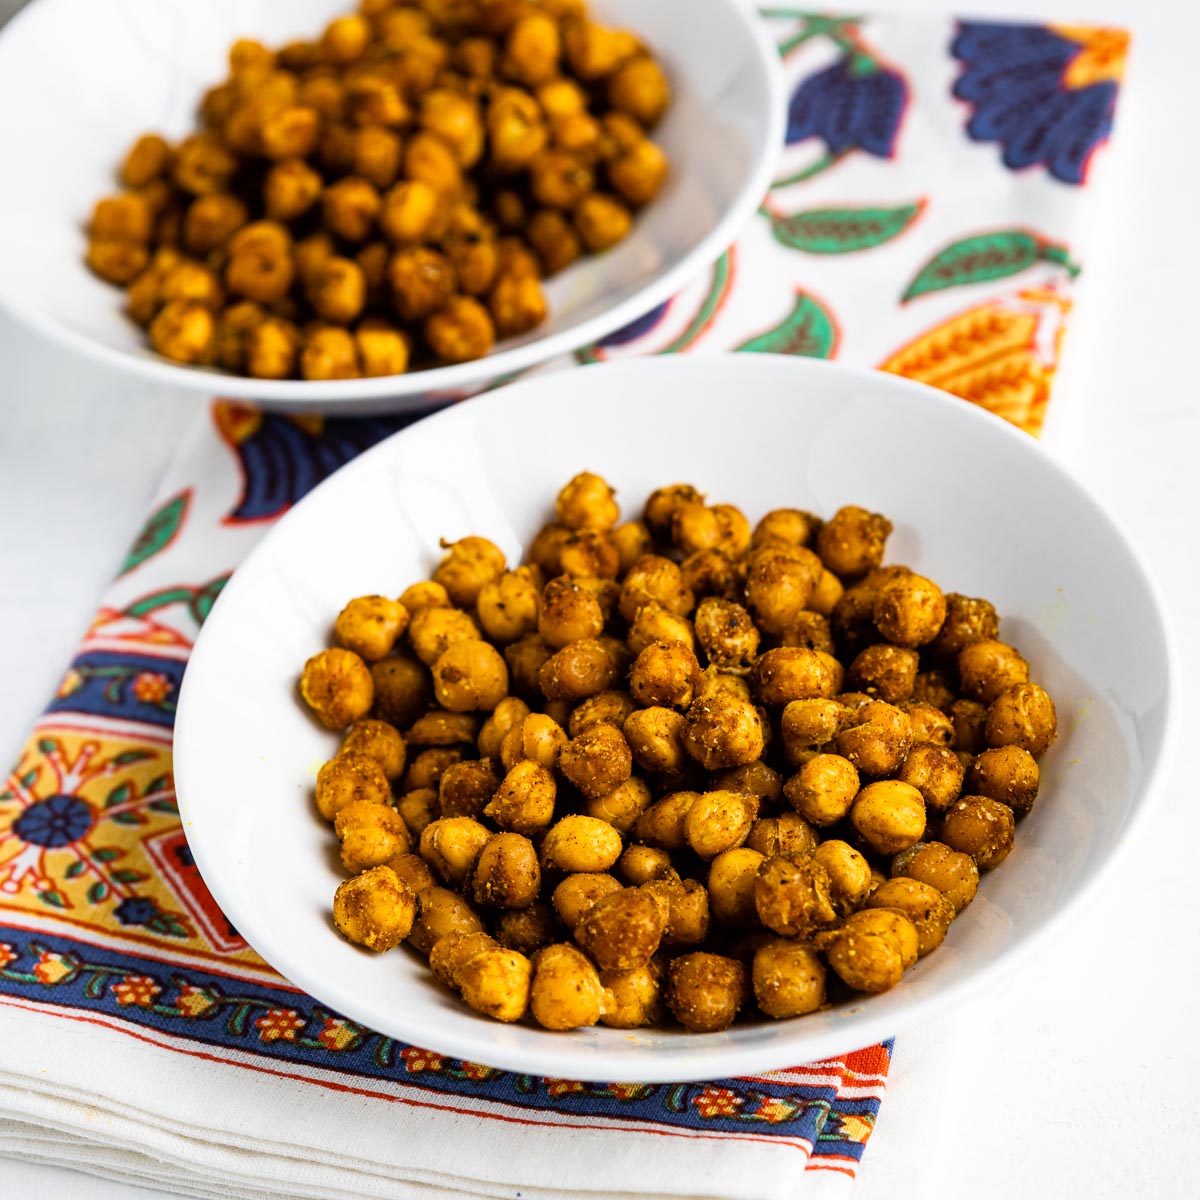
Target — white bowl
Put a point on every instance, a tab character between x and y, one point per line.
79	80
977	505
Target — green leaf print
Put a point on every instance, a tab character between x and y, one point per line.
984	257
809	330
841	230
158	531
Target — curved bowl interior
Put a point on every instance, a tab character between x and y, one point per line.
79	81
977	505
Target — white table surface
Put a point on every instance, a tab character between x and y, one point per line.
1077	1078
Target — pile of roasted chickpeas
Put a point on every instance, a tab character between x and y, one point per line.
391	192
673	764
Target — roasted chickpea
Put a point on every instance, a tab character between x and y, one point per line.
929	724
507	874
986	668
639	173
381	350
640	89
597	761
525	657
439	912
370	625
594	50
656	739
969	718
528	929
623	805
470	676
780	585
705	991
644	864
934	689
788	979
575	896
539	737
350	778
441	728
723	730
876	739
753	779
909	610
886	672
413	872
496	982
470	564
578	843
402	690
147	159
261	273
460	330
338	687
378	741
968	620
457	121
506	716
685	903
602	221
807	725
1023	716
935	772
524	801
666	674
606	708
622	930
558	245
183	330
652	578
508	606
634	997
1008	774
465	788
718	821
409	212
532	50
926	907
567	992
433	630
726	633
580	669
849	874
889	816
981	827
568	612
450	952
791	895
371	834
792	673
731	881
452	845
516	129
788	833
870	952
428	767
852	541
663	823
374	909
824	788
329	354
953	873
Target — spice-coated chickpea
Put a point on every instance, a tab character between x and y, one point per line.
849	874
935	772
506	716
718	821
371	834
656	739
433	630
568	612
887	672
575	896
507	874
516	128
723	730
952	872
579	843
643	864
929	724
696	526
788	979
508	606
909	610
496	982
439	912
443	728
852	541
461	330
524	801
791	895
986	668
329	354
686	904
183	330
789	833
968	620
780	585
147	159
345	38
868	953
666	674
606	708
211	220
1008	774
889	816
424	594
465	788
525	657
753	779
786	527
635	997
731	880
402	690
622	930
451	846
470	676
419	808
381	351
807	725
705	991
597	761
370	625
654	623
726	633
348	779
557	244
450	952
579	670
528	929
587	502
202	163
338	687
1024	716
824	788
981	827
602	221
532	49
877	738
639	173
566	992
290	189
594	50
926	907
662	824
640	88
470	563
413	871
428	767
374	909
623	805
654	578
969	718
792	673
379	741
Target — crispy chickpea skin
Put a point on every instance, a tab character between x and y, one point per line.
662	824
433	630
460	331
731	880
969	718
450	952
686	908
329	354
889	816
422	282
791	895
402	690
1023	716
574	897
606	708
379	741
371	834
656	739
621	930
655	578
496	982
967	620
602	221
788	979
337	686
887	672
452	845
935	772
581	844
597	761
705	991
439	912
792	673
634	997
926	907
465	788
824	788
877	739
587	502
753	779
779	586
788	833
1008	774
370	625
726	633
508	606
568	612
579	670
374	909
849	874
909	610
852	541
567	992
807	725
986	668
718	821
952	872
981	827
348	779
642	864
441	728
524	801
929	724
413	871
665	674
507	874
507	715
623	805
528	929
184	330
870	952
539	737
723	730
470	676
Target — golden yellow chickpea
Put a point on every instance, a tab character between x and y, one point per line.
909	610
202	163
653	578
557	244
754	779
516	129
602	221
887	672
470	676
808	725
929	724
726	633
792	895
146	160
348	779
440	912
465	788
516	304
452	845
450	952
329	353
402	690
594	50
656	739
371	835
184	330
441	728
528	929
456	119
981	827
345	39
433	630
538	737
350	207
428	767
705	991
634	997
792	673
640	173
868	953
731	887
337	686
578	843
374	909
567	992
987	667
852	541
496	983
579	670
723	730
412	871
719	821
1008	774
374	100
643	864
876	738
568	612
849	874
952	872
926	907
1023	716
291	131
622	930
532	50
575	896
622	806
506	873
381	350
666	674
290	189
469	565
824	788
587	502
524	801
461	330
378	741
789	833
506	716
508	606
211	220
597	761
370	625
889	816
640	89
590	555
788	979
525	657
968	619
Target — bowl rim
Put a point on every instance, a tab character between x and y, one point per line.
408	390
866	1028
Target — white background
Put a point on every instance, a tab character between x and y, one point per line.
1078	1077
